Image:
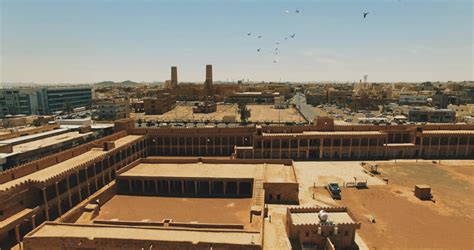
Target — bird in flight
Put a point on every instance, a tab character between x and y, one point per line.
248	34
258	50
286	12
297	11
277	43
365	14
275	61
293	35
259	37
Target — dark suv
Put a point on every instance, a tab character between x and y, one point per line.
334	190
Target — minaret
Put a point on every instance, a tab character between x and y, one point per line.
208	82
174	77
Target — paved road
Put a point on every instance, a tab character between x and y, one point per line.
307	110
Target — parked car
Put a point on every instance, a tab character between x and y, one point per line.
334	190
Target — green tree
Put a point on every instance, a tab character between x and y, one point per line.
244	113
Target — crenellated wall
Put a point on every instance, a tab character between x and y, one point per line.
31	167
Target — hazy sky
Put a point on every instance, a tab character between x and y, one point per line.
91	41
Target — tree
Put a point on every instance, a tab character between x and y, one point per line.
244	112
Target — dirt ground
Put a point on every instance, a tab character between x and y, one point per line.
258	113
402	220
202	210
266	113
185	112
322	172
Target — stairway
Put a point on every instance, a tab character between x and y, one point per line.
257	195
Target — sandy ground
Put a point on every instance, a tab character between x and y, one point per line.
402	220
258	113
322	173
203	210
266	113
183	112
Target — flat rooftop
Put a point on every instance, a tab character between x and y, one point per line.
56	169
60	230
326	133
20	139
48	141
278	173
196	170
312	218
269	172
188	210
437	132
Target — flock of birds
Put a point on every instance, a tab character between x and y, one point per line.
291	36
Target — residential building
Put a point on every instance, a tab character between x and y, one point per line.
113	110
266	97
316	98
163	103
280	103
322	227
412	98
431	115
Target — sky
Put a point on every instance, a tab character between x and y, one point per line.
84	41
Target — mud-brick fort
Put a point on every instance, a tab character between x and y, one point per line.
322	141
197	187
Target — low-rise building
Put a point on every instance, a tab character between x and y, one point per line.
322	227
431	115
339	96
316	98
265	97
137	106
113	110
412	98
280	103
163	103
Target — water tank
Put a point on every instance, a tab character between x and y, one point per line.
323	216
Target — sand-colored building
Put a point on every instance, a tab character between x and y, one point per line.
163	103
322	227
246	167
178	203
45	189
322	141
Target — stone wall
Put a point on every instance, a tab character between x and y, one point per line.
286	193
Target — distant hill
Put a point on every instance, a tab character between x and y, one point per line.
127	83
